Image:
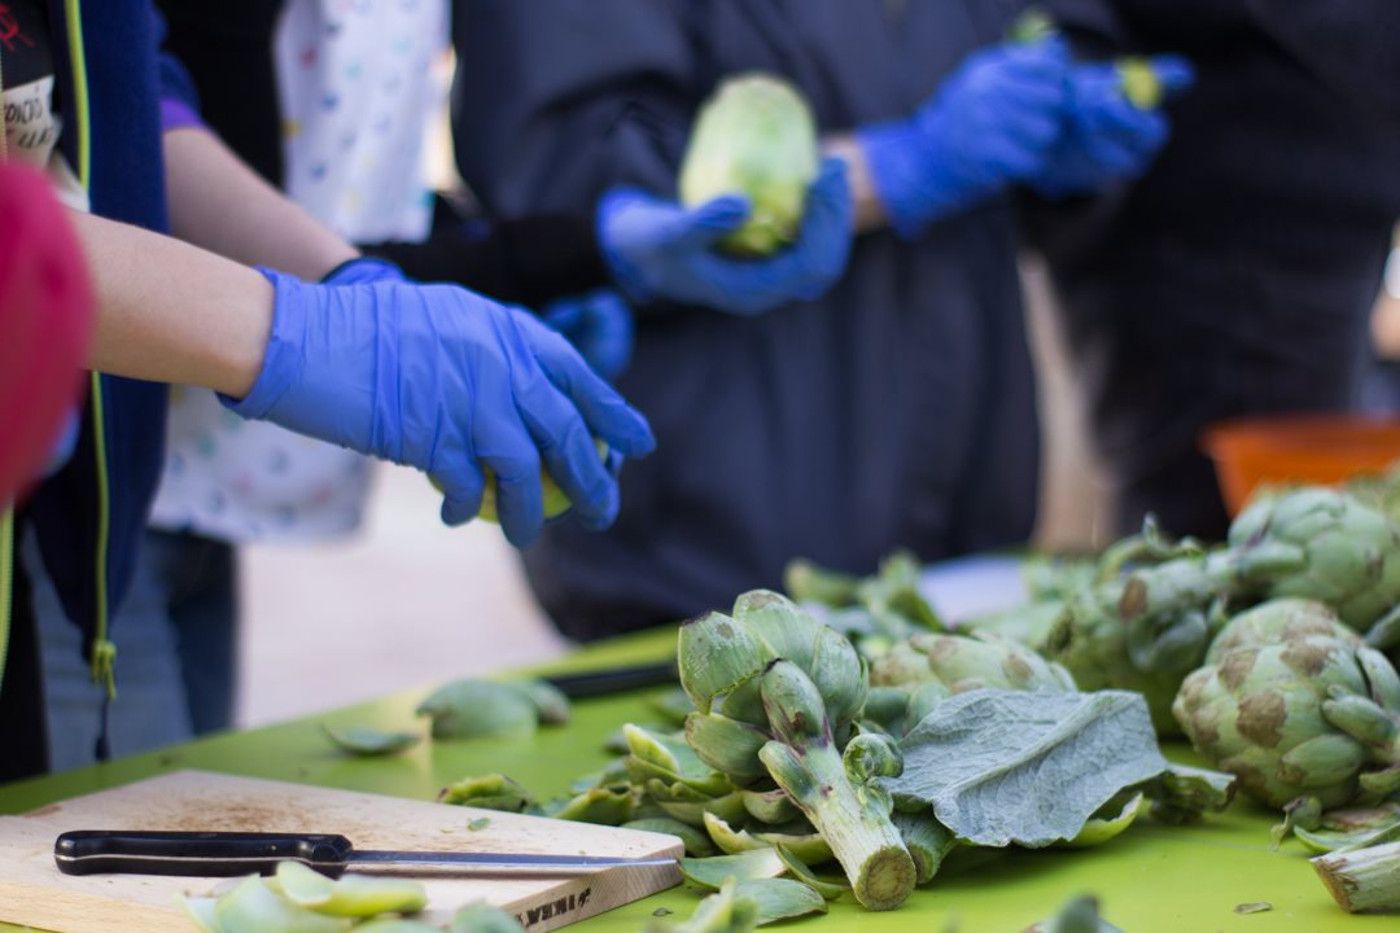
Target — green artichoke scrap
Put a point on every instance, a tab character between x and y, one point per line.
1313	717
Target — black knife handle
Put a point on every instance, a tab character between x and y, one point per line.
608	681
211	855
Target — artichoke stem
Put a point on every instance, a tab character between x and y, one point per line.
855	824
1363	880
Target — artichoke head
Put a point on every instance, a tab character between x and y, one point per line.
1314	717
755	137
968	662
1347	552
1090	640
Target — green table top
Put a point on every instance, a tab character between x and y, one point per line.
1150	879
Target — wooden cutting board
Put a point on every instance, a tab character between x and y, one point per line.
34	892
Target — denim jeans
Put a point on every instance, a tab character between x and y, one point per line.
176	637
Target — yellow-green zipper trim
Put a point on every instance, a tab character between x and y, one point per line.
104	653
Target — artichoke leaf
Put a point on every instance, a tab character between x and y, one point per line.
1001	766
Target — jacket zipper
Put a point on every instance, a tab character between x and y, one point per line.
104	652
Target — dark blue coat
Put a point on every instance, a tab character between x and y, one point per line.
126	78
1238	276
897	411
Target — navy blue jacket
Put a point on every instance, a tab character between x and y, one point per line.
898	410
1237	277
126	77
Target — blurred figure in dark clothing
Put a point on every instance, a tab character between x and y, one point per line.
1237	277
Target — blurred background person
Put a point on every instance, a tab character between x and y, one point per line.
1238	275
895	409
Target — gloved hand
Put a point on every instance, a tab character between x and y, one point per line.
442	379
993	122
655	248
1107	137
599	325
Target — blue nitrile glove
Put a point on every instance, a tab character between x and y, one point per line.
1107	137
362	270
655	248
599	325
992	122
442	379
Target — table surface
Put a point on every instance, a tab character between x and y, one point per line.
1150	879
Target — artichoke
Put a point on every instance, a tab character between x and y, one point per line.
1315	717
1326	545
776	697
1146	629
1090	640
756	137
1278	621
967	662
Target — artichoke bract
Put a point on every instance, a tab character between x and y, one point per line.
1314	717
755	136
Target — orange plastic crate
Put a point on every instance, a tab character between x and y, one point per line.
1322	449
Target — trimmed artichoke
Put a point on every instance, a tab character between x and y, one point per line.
1315	717
755	136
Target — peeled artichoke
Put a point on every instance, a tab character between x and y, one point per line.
1315	716
756	137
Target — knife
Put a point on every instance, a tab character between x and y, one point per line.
89	852
610	680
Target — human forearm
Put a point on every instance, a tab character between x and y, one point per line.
170	312
218	203
869	209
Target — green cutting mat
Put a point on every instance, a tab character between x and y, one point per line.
1150	879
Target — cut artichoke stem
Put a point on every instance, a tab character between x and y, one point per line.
1363	880
927	841
855	820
